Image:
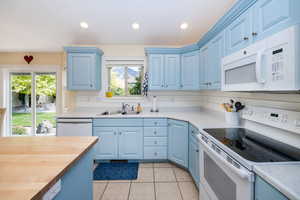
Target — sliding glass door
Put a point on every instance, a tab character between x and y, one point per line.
32	104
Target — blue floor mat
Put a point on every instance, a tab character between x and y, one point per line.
116	171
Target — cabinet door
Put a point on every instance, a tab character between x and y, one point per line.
238	33
156	72
178	134
190	71
107	146
81	71
194	160
264	191
271	16
131	143
216	52
172	72
204	64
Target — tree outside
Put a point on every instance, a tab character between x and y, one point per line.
118	82
22	106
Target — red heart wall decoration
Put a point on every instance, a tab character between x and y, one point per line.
28	59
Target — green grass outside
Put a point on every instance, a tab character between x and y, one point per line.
25	119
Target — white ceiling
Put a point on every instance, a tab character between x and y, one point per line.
47	25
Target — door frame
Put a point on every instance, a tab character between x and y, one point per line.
6	70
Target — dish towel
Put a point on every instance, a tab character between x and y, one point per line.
145	84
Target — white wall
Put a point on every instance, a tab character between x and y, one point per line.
288	101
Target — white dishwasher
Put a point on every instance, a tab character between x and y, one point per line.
74	127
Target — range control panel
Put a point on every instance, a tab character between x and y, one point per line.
283	119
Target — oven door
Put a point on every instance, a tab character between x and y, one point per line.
221	179
244	70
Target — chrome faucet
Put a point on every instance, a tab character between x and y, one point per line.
124	108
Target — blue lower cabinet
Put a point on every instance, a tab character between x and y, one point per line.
77	183
119	143
178	142
131	143
264	191
155	152
194	155
107	146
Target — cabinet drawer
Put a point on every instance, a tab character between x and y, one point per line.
111	122
155	141
155	122
155	131
155	152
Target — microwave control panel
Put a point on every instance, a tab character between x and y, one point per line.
277	64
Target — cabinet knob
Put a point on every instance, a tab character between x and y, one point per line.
115	133
197	150
155	142
166	86
254	34
246	38
162	85
155	123
155	153
91	85
181	85
120	133
155	132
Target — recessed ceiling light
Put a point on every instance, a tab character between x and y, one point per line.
84	25
184	26
135	26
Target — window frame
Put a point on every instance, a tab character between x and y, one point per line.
126	66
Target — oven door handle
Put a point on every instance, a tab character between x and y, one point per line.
241	173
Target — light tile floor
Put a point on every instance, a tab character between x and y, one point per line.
156	181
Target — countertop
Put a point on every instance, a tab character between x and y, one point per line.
284	177
29	166
201	118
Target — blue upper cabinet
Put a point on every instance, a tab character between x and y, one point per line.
204	64
216	52
156	72
172	72
271	16
190	71
83	68
164	71
178	133
210	63
238	32
259	21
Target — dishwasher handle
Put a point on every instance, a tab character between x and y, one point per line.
74	120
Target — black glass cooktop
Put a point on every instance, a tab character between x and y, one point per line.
253	146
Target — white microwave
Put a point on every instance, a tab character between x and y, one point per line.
271	64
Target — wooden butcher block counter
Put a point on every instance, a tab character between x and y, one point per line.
29	166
